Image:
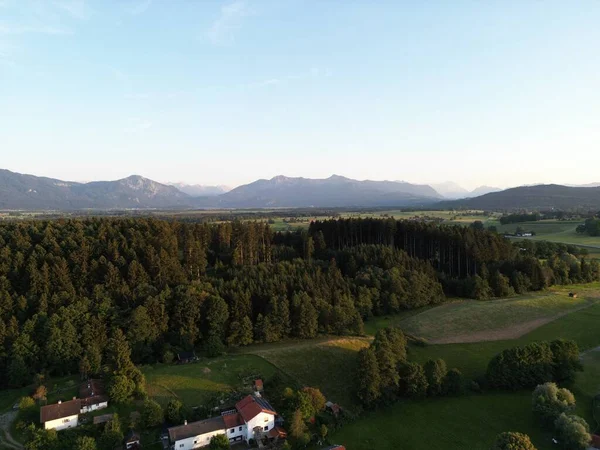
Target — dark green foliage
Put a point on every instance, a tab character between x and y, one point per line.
84	294
40	439
566	360
152	414
533	364
85	443
368	378
413	381
219	442
454	382
513	441
435	372
173	412
573	432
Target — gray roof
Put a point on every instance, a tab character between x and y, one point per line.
196	429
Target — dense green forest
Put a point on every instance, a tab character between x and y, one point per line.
68	288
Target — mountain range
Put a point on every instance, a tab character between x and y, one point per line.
29	192
538	197
452	190
199	190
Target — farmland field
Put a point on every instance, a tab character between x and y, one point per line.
194	384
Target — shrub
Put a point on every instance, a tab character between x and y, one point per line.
573	432
454	383
512	441
549	402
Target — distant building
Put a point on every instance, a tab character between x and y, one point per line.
334	408
61	415
258	385
252	418
335	447
186	357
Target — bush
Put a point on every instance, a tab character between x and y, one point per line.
173	411
26	403
219	442
120	388
549	402
573	432
454	383
512	441
152	414
533	364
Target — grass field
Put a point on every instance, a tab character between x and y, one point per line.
199	383
327	364
474	321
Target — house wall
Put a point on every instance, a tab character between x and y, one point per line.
262	420
201	440
238	432
62	423
94	407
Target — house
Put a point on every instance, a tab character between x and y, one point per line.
252	418
92	396
186	357
132	441
595	441
61	415
258	385
335	447
196	434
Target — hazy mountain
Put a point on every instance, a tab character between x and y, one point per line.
198	190
450	189
544	196
585	185
19	191
334	191
482	190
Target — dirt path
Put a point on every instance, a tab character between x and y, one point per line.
5	437
505	333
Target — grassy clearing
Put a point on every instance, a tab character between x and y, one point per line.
326	364
471	320
198	383
459	423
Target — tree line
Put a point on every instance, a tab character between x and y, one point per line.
73	290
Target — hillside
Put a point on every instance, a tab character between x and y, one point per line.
199	190
335	191
19	191
543	196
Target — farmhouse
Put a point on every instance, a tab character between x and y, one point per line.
132	440
61	415
252	418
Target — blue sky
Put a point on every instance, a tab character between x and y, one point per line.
224	92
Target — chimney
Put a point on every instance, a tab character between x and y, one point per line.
59	402
185	422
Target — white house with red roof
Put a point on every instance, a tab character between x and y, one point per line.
252	418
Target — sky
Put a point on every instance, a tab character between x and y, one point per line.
499	92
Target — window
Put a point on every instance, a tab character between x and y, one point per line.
240	429
195	442
266	428
66	420
232	430
266	419
181	445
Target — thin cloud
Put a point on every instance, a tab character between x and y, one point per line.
222	31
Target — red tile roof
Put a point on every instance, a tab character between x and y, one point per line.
60	410
233	420
595	441
249	407
258	384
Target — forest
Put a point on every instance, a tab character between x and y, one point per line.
74	291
